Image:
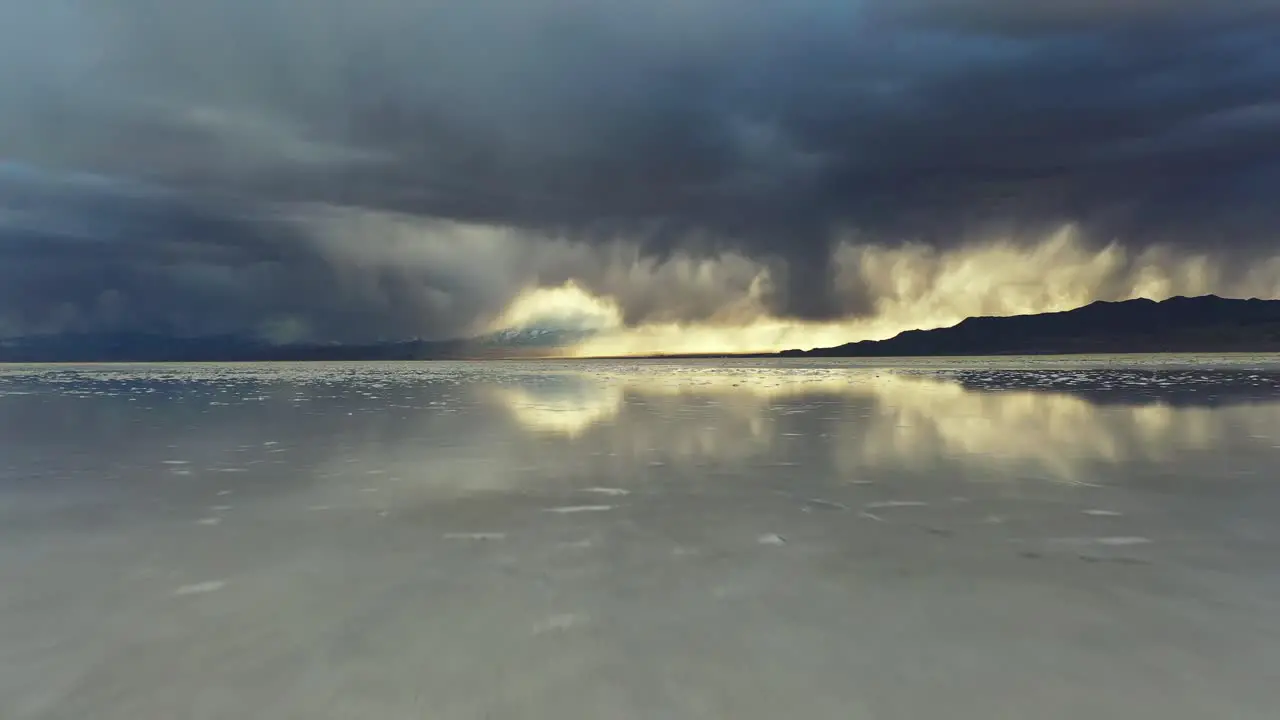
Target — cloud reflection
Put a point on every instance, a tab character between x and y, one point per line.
385	435
866	419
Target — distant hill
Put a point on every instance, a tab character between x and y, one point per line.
146	347
1180	324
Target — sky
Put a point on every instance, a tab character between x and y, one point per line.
675	175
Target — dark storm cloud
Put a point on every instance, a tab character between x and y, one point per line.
88	254
687	126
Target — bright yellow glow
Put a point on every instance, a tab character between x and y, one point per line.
566	302
913	286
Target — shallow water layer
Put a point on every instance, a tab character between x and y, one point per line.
980	538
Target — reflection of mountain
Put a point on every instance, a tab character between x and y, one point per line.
459	429
1180	324
887	420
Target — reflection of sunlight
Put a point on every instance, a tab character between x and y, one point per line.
905	421
922	420
557	411
1054	433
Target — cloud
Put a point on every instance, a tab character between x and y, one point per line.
412	167
916	285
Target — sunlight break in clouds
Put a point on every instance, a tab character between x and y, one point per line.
565	306
915	286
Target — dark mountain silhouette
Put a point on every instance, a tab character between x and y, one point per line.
1180	324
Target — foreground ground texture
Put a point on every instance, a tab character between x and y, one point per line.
1048	538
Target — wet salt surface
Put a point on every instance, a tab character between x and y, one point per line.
1044	537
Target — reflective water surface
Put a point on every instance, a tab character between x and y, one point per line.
1043	538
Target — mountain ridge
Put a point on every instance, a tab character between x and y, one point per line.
1207	323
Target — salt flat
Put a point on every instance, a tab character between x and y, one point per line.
979	538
